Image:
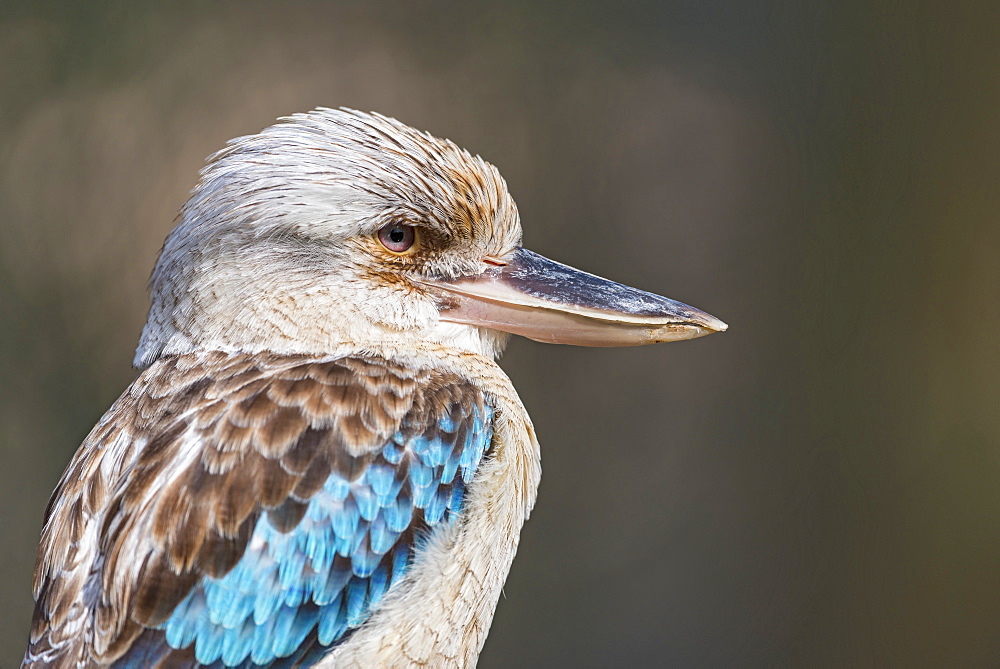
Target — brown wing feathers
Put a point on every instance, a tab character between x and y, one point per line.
225	438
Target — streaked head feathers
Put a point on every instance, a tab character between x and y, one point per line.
280	233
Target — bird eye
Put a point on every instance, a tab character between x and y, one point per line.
397	237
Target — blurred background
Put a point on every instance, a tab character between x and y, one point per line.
818	487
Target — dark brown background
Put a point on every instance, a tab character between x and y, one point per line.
818	487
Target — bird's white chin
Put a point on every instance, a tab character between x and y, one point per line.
470	339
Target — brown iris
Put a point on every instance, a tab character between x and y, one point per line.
397	237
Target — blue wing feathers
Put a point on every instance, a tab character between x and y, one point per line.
448	470
332	625
237	643
190	615
357	600
368	503
383	481
435	508
393	452
421	476
208	644
398	515
381	538
301	591
422	495
378	583
457	495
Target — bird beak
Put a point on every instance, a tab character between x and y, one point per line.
532	296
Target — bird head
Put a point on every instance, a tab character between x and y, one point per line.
338	228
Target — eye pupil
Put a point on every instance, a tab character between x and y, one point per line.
397	234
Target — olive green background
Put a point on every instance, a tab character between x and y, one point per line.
817	487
